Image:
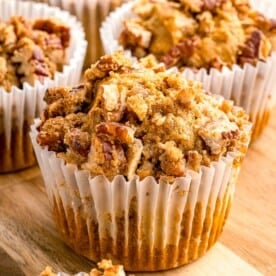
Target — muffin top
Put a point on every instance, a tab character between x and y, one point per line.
199	33
105	268
31	50
136	120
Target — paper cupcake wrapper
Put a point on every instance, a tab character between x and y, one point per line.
19	106
251	87
142	224
91	13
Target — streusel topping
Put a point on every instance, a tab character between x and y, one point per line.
31	50
131	120
105	268
199	34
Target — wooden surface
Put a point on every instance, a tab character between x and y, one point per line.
29	240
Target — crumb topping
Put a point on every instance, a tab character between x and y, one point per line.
31	50
132	120
105	268
199	33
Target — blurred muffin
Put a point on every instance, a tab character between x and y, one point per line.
35	52
105	268
91	13
225	44
140	165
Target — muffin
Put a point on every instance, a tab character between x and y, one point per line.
140	164
37	50
91	13
105	268
227	45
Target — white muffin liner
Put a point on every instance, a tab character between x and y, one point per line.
91	13
142	224
252	87
22	105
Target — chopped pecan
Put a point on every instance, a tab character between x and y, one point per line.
115	131
229	135
272	25
51	134
217	133
78	141
216	63
54	26
106	157
212	4
135	35
250	51
183	50
112	101
74	99
107	64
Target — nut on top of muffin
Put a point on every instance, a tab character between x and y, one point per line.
133	119
199	34
31	50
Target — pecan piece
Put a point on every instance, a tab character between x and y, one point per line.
250	52
116	132
78	141
107	64
182	50
112	102
54	26
71	99
134	35
106	157
216	134
51	134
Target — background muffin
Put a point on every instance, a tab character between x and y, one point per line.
140	165
34	54
91	13
226	45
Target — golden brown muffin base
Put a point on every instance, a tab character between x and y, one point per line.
83	236
20	154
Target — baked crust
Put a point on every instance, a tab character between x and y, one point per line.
130	120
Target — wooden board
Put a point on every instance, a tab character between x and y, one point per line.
29	240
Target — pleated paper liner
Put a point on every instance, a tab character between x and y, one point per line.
252	87
19	107
144	225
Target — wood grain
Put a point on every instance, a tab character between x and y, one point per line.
251	229
29	240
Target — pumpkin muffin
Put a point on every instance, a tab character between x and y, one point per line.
140	164
34	52
91	13
228	45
